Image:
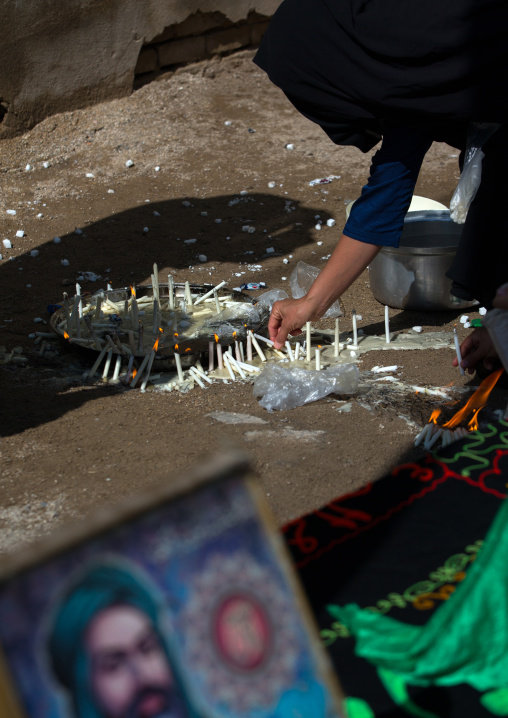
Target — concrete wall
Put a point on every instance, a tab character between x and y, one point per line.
58	55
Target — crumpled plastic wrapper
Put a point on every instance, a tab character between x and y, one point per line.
234	319
279	387
268	299
301	280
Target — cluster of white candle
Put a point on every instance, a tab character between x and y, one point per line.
432	433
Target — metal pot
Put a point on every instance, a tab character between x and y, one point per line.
413	276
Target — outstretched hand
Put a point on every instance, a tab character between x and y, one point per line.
289	316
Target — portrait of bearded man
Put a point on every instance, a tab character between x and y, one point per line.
108	651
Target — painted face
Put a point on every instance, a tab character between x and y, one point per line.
130	673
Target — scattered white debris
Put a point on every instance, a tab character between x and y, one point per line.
11	211
20	233
89	276
352	353
28	286
284	279
319	244
145	230
243	193
271	185
381	369
57	240
270	250
34	253
289	146
129	163
186	203
46	165
38	320
464	318
190	241
32	335
482	311
248	228
7	243
324	180
157	168
418	329
285	261
156	214
330	223
467	325
78	231
228	123
218	220
28	168
64	262
204	214
90	175
111	191
40	215
318	226
202	258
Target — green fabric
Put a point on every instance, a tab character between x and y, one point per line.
465	640
358	708
496	702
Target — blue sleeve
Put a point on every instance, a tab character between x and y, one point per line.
377	216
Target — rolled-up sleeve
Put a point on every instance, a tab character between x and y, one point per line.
377	216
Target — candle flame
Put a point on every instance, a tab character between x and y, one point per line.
216	338
156	345
434	415
176	347
188	349
66	336
133	291
475	403
234	335
134	372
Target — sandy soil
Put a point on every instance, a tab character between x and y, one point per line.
68	448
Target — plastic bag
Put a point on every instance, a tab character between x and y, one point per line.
301	281
471	175
280	388
268	299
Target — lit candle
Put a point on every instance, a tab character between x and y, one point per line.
237	348
211	363
129	369
141	369
387	325
249	347
171	292
336	345
318	359
209	294
355	330
150	363
220	363
309	346
457	350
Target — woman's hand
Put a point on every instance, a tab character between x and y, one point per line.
289	316
475	348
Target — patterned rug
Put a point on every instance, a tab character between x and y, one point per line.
401	547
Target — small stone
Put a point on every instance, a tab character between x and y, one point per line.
28	286
186	203
482	311
32	336
202	258
78	231
330	223
243	193
40	215
34	253
418	329
11	212
129	163
248	228
289	146
284	279
20	233
145	230
270	250
271	185
38	320
111	191
157	169
251	130
204	214
285	260
28	168
218	220
57	240
464	318
46	165
7	243
190	241
156	214
467	325
64	262
90	175
317	226
319	244
228	123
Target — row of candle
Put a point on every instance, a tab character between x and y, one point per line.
431	433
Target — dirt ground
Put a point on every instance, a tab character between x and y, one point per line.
215	130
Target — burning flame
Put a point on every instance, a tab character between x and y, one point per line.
188	349
66	336
133	291
434	415
475	403
234	335
216	338
156	345
134	372
176	347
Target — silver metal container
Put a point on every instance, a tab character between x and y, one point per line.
413	276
